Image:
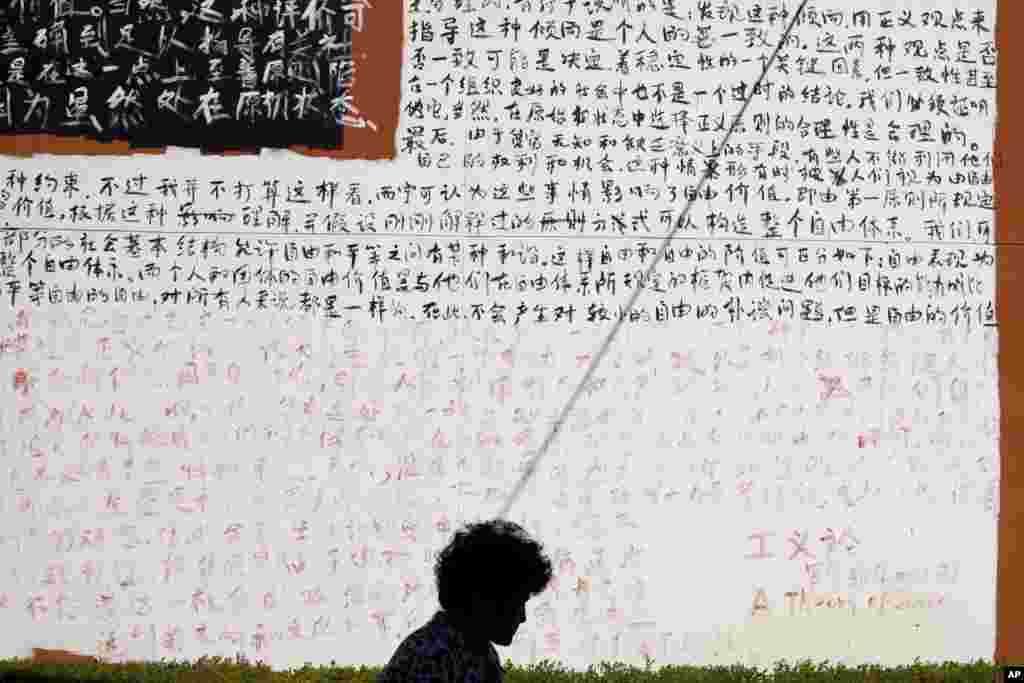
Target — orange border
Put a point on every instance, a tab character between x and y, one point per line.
376	91
1010	310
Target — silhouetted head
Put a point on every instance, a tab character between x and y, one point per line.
485	576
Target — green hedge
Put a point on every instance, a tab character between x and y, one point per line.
218	670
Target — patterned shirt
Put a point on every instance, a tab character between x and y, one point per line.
438	653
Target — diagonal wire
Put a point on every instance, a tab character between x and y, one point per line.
592	367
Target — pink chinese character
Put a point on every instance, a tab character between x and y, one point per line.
761	552
440	440
56	419
234	373
268	601
188	375
799	542
506	359
455	408
311	406
168	639
680	359
833	386
342	377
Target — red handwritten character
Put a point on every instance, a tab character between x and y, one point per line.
762	553
297	374
455	409
55	574
328	440
103	346
406	378
263	553
552	639
488	440
294	629
201	362
88	376
506	359
112	503
188	375
233	533
88	570
120	440
21	380
234	373
22	320
39	463
379	618
833	387
26	407
342	377
169	638
89	440
231	633
311	406
38	607
296	567
300	531
56	420
359	359
799	542
199	600
409	586
582	360
181	439
72	473
440	440
848	540
57	536
441	523
104	600
120	411
103	470
312	597
268	601
57	378
24	503
680	359
502	392
777	327
137	632
408	531
359	555
259	639
744	487
115	378
167	568
522	439
86	410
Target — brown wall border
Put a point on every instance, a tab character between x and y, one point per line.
1008	178
376	91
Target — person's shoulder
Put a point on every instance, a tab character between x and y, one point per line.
423	653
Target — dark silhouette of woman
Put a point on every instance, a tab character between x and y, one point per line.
485	576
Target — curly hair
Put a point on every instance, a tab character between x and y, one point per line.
496	558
